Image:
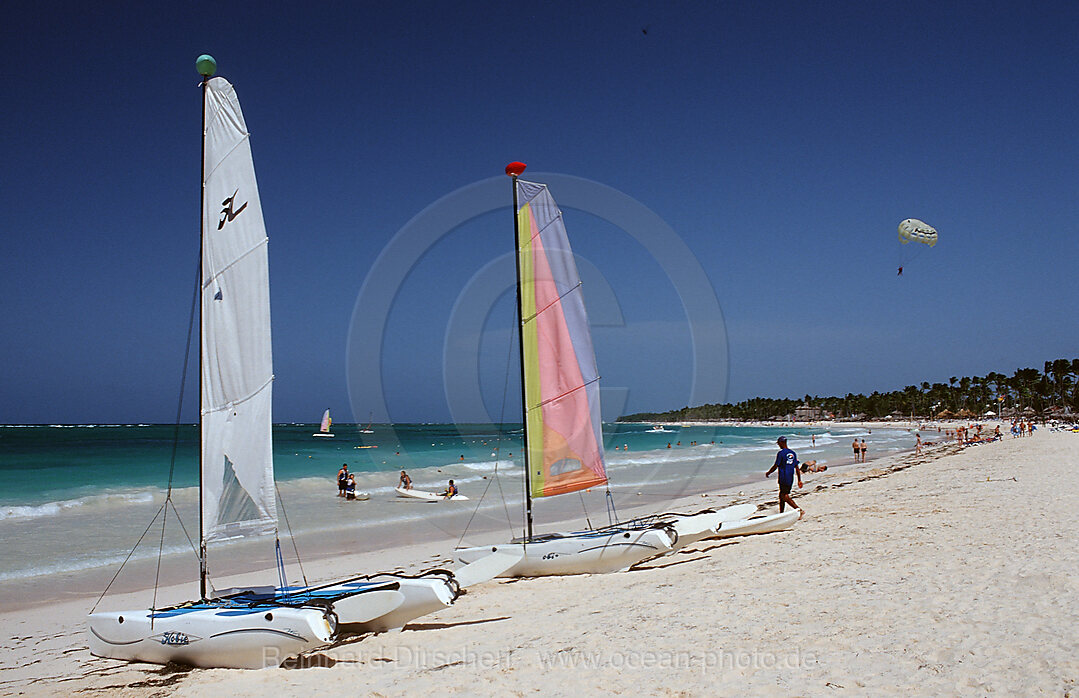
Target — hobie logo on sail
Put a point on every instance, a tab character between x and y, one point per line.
227	214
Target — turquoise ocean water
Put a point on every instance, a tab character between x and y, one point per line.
76	498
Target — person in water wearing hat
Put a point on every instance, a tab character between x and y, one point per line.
787	465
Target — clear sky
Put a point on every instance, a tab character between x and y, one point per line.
781	143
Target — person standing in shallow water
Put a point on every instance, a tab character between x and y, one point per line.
857	450
342	479
863	449
787	465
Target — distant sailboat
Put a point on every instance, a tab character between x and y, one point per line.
560	390
324	428
367	429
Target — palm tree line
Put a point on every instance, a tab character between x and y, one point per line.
1053	390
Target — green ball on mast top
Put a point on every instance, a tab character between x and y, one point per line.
206	65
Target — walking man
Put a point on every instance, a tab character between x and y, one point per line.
787	465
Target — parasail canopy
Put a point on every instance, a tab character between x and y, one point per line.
914	230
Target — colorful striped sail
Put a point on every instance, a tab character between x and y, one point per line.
326	422
561	382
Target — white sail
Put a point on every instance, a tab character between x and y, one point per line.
237	366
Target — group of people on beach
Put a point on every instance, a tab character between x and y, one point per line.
974	434
1021	428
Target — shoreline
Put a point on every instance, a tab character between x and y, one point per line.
64	657
388	546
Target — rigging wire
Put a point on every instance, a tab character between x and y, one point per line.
184	528
587	520
291	535
157	571
280	565
183	375
498	449
163	511
612	514
109	585
176	433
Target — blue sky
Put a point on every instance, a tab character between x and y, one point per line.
781	143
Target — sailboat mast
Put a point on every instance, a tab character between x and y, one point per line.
206	67
514	169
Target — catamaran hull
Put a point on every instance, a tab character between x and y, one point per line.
769	523
422	596
698	527
419	597
215	637
583	553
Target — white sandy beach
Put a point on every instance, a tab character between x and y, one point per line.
944	577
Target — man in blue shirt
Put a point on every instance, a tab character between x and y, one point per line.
787	464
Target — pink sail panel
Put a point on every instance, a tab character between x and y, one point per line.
561	380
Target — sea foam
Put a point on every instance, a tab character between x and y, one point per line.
56	508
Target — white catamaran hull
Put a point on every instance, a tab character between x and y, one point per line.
698	527
764	523
592	552
418	597
231	638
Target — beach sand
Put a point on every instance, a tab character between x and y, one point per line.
935	574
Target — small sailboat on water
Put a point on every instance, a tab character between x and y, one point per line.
563	449
324	428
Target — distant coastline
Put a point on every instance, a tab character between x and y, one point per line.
1028	392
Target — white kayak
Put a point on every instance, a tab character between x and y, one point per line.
427	496
761	523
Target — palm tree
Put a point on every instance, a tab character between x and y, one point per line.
1023	381
1060	368
999	386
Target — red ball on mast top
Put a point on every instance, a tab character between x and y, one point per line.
514	169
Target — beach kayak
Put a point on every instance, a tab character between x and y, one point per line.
427	496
